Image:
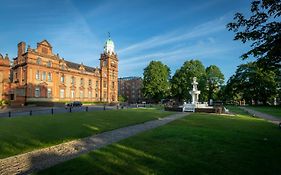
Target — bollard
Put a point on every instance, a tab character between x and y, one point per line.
104	107
52	111
70	109
10	114
280	125
30	112
117	106
86	108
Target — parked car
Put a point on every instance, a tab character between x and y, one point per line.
74	104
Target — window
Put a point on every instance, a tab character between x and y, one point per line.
37	92
90	94
49	93
37	76
39	61
97	84
72	94
81	94
81	81
61	93
44	76
49	76
104	95
104	84
72	80
113	84
90	82
97	95
62	79
49	64
44	50
62	66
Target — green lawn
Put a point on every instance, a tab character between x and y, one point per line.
271	110
23	134
196	144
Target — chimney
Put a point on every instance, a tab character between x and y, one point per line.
21	48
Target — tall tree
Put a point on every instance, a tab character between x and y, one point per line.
182	79
251	82
215	80
262	30
156	79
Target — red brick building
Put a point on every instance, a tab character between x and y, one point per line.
130	88
39	75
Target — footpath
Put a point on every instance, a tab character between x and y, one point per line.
43	158
265	116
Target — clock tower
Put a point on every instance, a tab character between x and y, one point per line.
109	73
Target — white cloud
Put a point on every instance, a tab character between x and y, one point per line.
176	36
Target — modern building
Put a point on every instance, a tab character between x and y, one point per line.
39	75
130	88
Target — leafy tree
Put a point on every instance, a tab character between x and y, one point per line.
251	82
215	80
262	30
182	79
156	84
122	98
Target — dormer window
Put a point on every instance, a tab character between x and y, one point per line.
49	64
39	61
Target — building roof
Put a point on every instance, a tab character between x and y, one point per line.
77	66
129	78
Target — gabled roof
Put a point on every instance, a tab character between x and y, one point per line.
45	42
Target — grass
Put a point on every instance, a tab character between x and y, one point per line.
196	144
271	110
23	134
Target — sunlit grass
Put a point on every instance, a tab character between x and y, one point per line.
196	144
23	134
271	110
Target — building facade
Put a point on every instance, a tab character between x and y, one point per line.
39	75
130	88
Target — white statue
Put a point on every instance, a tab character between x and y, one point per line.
194	93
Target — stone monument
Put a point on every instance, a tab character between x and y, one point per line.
194	93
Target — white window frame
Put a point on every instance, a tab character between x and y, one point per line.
49	92
61	93
37	92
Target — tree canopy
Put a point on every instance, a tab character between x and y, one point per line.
262	30
182	79
252	83
156	84
215	80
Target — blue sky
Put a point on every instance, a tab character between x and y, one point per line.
143	30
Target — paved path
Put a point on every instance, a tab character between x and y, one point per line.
47	157
271	118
